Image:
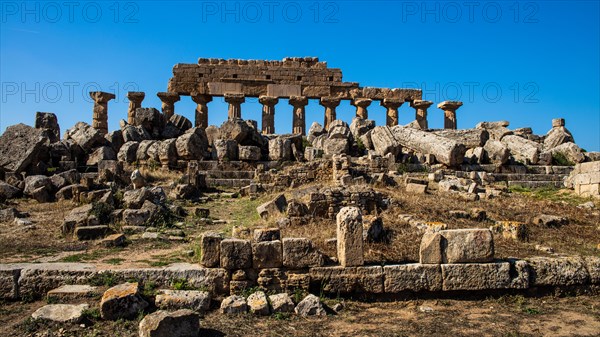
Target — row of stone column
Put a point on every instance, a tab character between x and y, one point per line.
100	117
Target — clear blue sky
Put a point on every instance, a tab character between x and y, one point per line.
522	61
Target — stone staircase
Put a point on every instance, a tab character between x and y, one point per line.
226	174
530	180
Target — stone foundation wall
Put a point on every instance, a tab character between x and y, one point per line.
24	281
585	179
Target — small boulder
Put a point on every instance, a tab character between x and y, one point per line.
258	304
281	303
234	304
62	313
310	306
547	220
122	301
180	323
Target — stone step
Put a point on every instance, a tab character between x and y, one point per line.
217	174
532	169
536	184
210	182
72	293
526	177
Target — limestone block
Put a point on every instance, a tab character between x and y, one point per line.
301	253
122	301
350	237
347	280
180	323
198	301
412	277
210	245
563	271
235	254
476	276
267	254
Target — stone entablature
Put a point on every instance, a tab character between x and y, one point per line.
290	77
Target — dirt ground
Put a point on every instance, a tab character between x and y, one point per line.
509	315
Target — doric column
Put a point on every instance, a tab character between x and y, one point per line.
391	114
268	113
100	117
299	120
330	103
361	105
135	101
201	118
450	108
235	101
168	100
421	112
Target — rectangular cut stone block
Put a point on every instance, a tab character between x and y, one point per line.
220	88
9	278
412	277
215	280
592	264
284	90
430	251
519	272
368	279
562	271
267	254
72	292
467	245
476	276
301	253
210	245
235	254
350	237
37	279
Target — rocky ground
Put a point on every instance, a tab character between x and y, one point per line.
494	316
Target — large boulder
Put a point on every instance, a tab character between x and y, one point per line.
48	123
360	126
151	120
167	152
522	150
20	147
85	136
8	191
280	148
128	152
225	150
259	304
132	133
199	301
180	323
38	187
496	152
243	132
176	126
446	151
249	153
314	131
101	153
115	140
556	136
568	151
332	146
192	145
